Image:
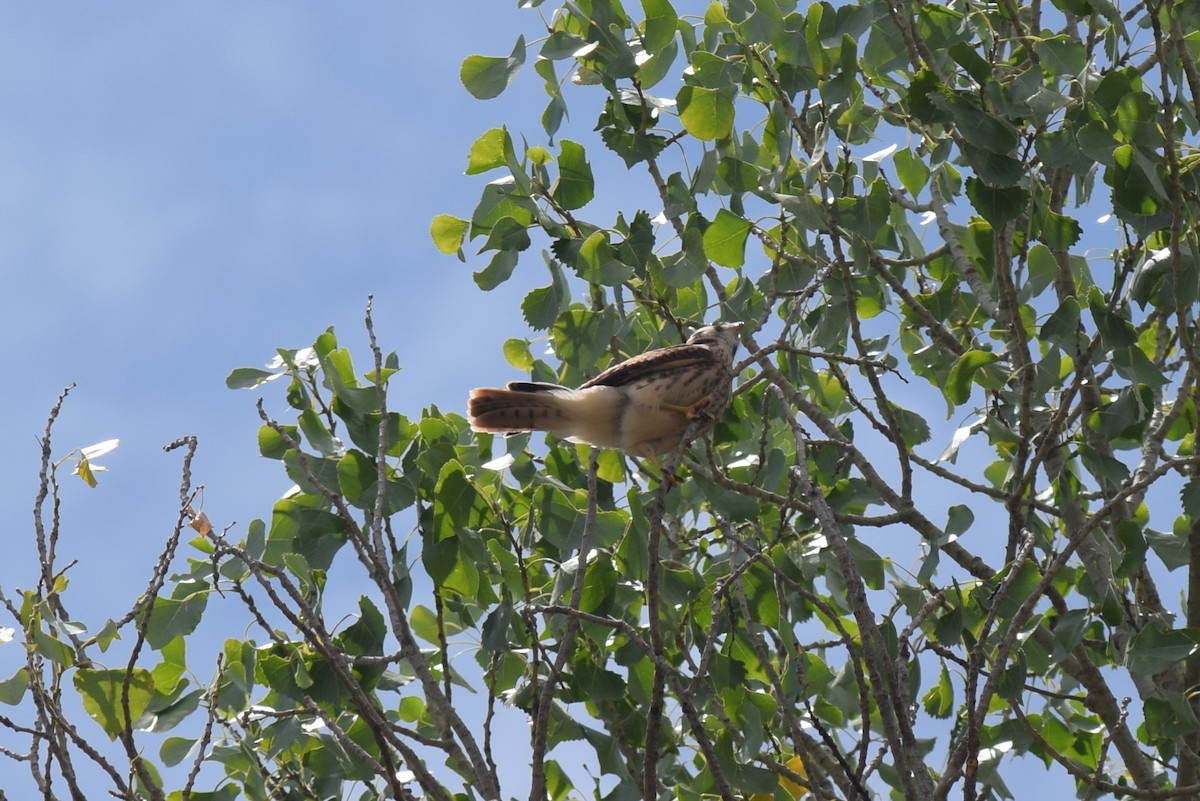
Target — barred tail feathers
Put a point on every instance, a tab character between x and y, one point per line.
590	415
507	411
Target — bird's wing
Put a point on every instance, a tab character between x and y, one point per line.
653	362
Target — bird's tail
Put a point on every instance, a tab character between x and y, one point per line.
533	407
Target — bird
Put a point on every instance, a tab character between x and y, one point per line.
644	405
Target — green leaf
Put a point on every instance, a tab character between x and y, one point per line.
1157	648
958	384
599	582
164	719
959	519
1115	331
516	351
597	684
365	636
575	186
926	98
1189	496
441	558
53	648
706	114
1019	589
633	146
1061	55
598	264
358	480
1059	231
1169	717
424	623
101	692
725	239
454	497
1062	327
499	270
997	205
939	701
542	306
173	618
489	151
13	690
273	444
913	426
174	750
969	59
508	234
1132	185
912	171
1103	465
247	377
318	436
1126	415
486	77
1171	548
300	524
1134	365
979	128
495	630
865	215
448	233
658	66
661	23
994	169
558	517
870	564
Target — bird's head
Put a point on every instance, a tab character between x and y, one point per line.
721	334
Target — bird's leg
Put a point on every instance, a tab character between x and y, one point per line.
645	452
690	412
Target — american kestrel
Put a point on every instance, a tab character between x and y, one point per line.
642	406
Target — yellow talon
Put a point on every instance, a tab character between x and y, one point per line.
689	412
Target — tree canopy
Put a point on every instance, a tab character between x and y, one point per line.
946	530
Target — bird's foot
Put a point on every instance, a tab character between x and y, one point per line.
690	412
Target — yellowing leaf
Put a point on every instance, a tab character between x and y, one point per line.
84	471
202	524
448	233
488	152
795	765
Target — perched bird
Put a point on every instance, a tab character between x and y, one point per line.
642	406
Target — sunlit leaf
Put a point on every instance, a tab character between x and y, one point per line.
962	374
706	114
448	233
487	76
104	693
725	239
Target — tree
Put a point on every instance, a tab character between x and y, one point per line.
919	545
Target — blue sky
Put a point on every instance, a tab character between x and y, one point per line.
185	187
